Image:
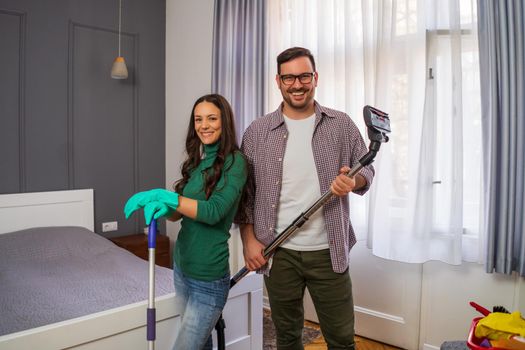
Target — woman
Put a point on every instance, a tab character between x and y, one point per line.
213	177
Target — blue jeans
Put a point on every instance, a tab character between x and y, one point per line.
201	304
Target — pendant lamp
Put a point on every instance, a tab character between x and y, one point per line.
119	69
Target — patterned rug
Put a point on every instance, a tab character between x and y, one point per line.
309	334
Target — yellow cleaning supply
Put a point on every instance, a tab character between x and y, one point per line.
499	325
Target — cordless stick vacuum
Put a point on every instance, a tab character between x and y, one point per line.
378	125
152	231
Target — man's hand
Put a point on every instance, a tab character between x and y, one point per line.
342	185
253	255
252	249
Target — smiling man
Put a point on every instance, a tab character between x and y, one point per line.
296	154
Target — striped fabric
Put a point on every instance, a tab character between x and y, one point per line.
336	142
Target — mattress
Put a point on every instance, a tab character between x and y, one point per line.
53	274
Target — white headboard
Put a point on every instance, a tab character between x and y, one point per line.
38	209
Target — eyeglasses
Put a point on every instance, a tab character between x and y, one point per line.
304	78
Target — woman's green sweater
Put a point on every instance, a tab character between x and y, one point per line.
201	250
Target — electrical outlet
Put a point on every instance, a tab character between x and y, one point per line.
109	226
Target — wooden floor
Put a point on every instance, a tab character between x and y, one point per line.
360	342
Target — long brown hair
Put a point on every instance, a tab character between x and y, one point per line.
227	145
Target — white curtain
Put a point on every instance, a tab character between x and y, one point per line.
416	60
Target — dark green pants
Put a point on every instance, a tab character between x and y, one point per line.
331	293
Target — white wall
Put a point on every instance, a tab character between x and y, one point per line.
446	290
419	306
189	30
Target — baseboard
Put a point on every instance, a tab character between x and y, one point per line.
379	315
430	347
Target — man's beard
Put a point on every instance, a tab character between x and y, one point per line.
298	105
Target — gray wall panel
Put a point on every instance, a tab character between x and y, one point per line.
64	123
46	96
103	121
11	95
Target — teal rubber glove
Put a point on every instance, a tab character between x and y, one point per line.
141	199
155	210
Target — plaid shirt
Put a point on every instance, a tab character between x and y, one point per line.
336	142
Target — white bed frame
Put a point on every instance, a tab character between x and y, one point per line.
123	327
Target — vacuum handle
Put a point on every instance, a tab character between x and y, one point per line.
298	222
238	276
378	125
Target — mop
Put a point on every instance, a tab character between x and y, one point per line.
150	313
378	125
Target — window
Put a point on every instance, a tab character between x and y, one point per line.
417	60
457	119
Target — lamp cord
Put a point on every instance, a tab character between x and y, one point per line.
119	23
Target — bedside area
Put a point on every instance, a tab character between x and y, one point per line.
138	245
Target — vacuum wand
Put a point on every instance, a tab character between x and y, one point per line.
378	125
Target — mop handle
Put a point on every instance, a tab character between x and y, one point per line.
152	231
299	221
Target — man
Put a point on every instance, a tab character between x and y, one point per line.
295	155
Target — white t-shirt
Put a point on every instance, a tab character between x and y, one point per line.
300	188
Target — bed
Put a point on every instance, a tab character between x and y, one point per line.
50	226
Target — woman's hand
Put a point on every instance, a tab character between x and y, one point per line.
164	202
155	210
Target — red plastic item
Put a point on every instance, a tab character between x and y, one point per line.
480	308
473	342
